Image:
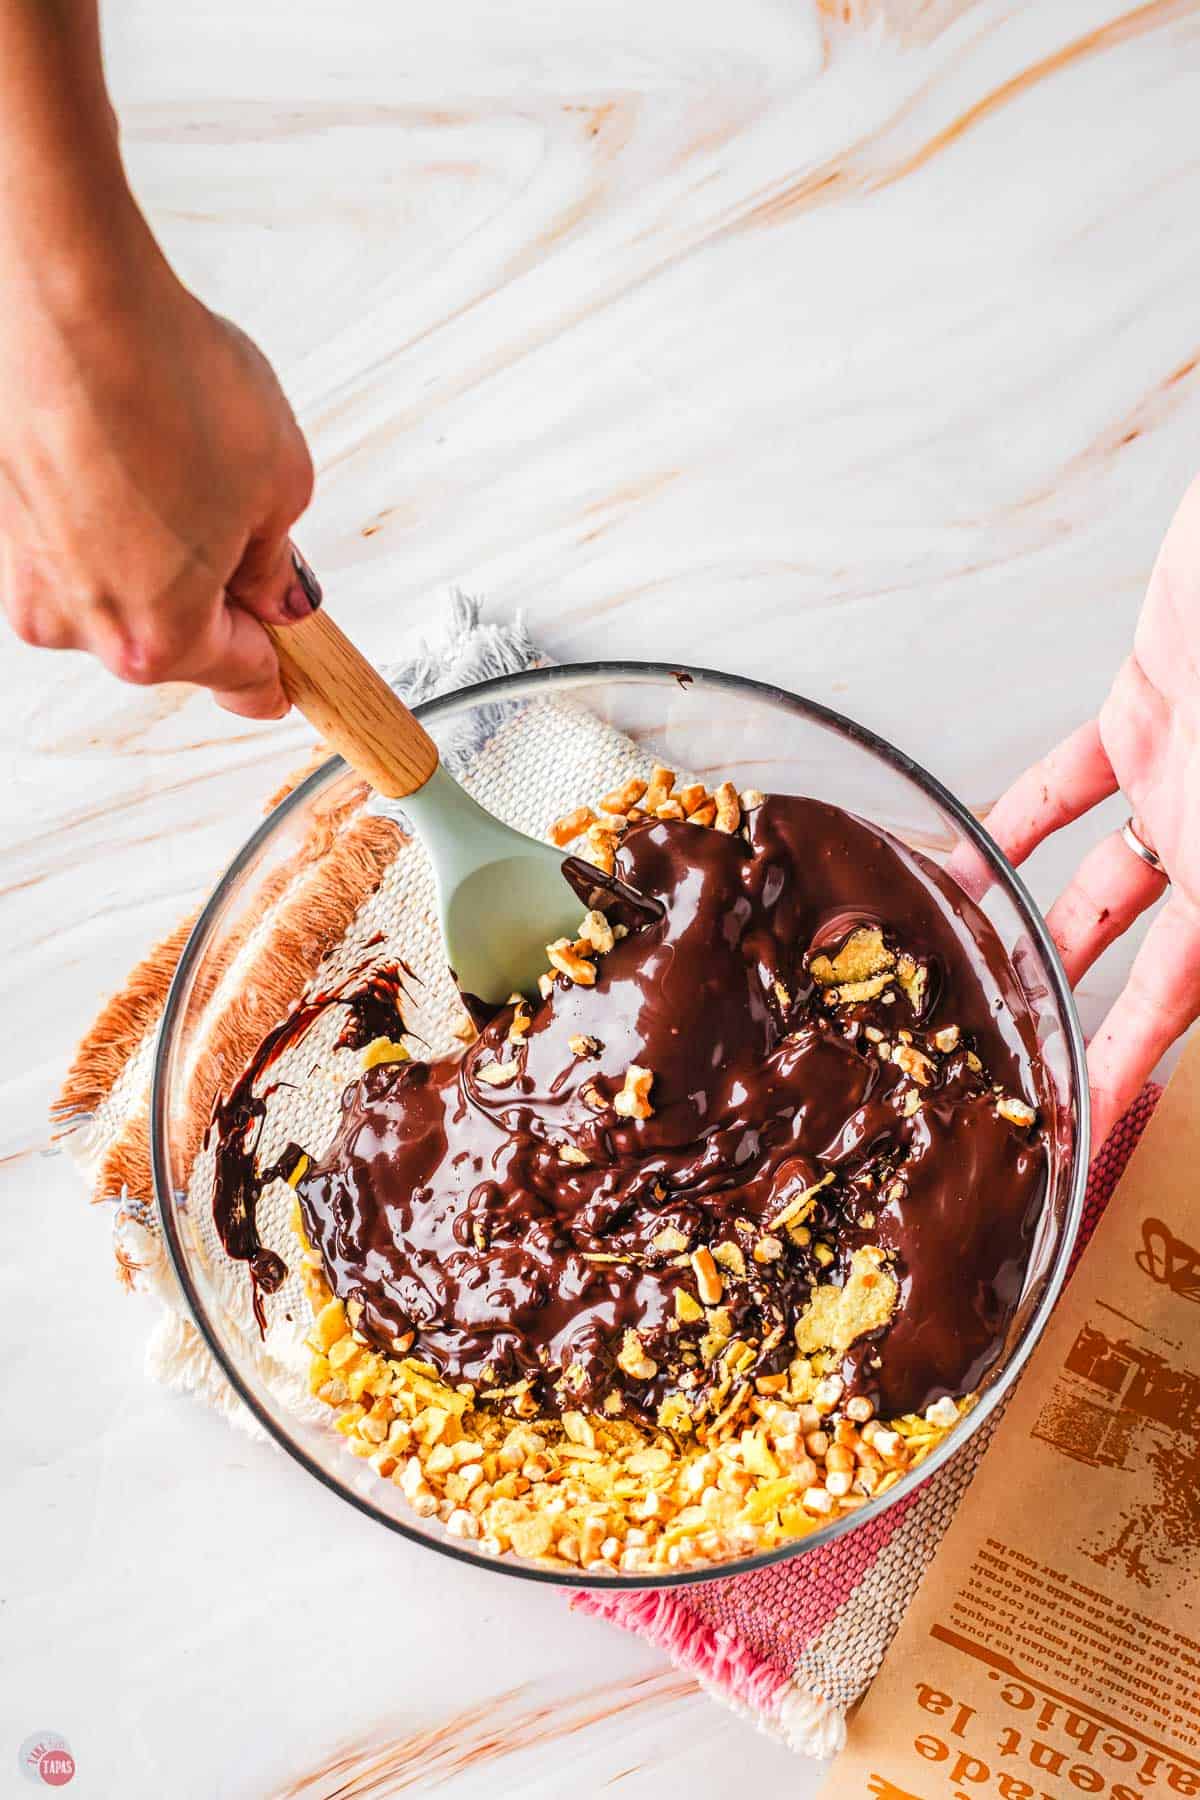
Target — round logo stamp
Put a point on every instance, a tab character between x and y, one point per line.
45	1758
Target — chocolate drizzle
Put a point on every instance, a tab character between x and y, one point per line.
445	1205
373	1010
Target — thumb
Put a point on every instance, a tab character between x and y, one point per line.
273	581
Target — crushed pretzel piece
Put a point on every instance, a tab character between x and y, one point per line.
708	1277
596	931
519	1024
601	849
565	957
729	811
622	798
913	1063
565	830
633	1101
662	780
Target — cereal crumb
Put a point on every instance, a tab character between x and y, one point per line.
836	1316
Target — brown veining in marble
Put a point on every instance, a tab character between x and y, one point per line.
863	166
1090	43
109	810
376	1765
1171	392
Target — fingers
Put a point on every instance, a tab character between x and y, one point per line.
1075	776
273	581
34	609
1067	782
1160	1000
1107	892
1134	721
273	584
237	660
192	633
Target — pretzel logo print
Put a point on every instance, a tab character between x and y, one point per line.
1169	1261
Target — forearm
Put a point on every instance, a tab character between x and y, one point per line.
70	231
150	466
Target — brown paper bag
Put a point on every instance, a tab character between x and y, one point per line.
1053	1648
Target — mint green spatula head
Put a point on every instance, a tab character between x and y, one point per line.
502	896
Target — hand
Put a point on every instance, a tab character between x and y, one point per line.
1146	741
150	470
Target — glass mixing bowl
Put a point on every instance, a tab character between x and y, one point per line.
713	726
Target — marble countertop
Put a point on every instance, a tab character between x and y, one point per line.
863	358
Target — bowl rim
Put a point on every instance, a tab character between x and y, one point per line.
687	675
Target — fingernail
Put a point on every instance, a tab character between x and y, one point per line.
296	603
309	596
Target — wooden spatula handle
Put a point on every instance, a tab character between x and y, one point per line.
352	706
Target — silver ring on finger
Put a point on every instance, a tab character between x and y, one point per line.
1140	848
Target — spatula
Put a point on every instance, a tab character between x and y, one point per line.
501	895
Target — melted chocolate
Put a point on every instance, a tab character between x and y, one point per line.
373	1010
443	1205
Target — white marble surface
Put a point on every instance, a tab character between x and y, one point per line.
862	360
